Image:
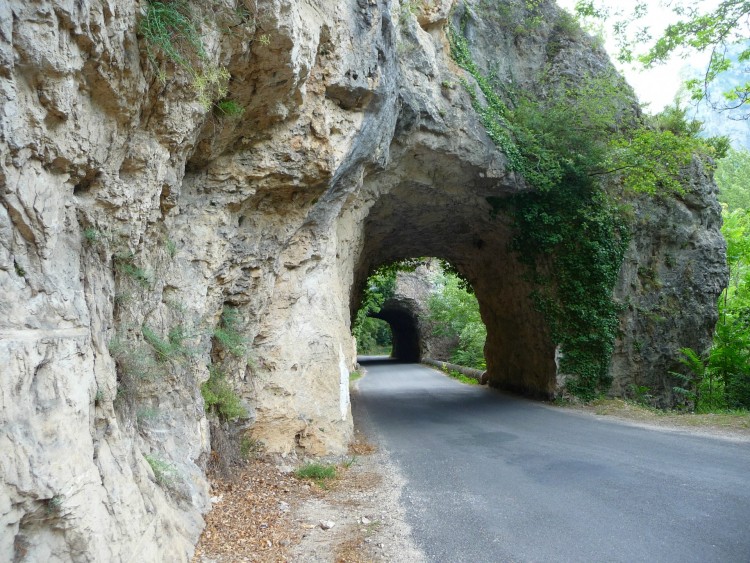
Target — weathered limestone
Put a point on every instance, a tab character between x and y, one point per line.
129	207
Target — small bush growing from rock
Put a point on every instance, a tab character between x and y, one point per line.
219	397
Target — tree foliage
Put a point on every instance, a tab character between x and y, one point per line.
373	337
719	29
454	311
733	178
730	355
721	379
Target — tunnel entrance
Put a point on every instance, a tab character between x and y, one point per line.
430	310
405	330
441	206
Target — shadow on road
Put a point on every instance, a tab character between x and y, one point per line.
381	360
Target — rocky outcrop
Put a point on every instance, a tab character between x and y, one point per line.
134	213
675	263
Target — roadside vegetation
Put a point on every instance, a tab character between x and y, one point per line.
374	337
462	378
319	473
719	381
454	312
731	422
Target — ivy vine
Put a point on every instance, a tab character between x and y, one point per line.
568	231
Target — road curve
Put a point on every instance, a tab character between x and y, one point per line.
496	478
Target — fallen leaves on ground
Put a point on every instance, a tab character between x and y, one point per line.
254	519
250	519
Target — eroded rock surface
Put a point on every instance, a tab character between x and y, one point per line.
130	209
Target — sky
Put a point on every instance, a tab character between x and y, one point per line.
658	86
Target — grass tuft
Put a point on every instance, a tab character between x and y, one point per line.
229	108
164	472
320	473
125	264
228	335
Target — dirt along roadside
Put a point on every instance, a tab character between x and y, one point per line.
730	426
264	513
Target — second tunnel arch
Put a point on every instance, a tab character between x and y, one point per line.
405	333
432	314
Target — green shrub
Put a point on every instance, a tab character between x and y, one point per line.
228	334
455	311
220	398
641	394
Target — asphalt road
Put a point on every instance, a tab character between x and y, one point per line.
496	478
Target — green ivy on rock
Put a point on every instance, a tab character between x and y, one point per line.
568	222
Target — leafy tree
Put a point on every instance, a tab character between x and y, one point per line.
455	312
733	177
730	356
722	378
373	336
721	30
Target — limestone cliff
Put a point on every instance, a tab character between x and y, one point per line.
135	211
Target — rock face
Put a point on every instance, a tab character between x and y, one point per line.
133	214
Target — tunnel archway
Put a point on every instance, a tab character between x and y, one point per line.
438	205
405	332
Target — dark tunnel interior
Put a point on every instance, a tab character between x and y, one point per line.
405	333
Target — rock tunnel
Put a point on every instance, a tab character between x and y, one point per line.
405	333
436	205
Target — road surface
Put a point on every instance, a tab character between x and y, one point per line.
492	478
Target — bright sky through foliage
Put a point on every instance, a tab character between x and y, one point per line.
657	86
